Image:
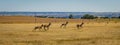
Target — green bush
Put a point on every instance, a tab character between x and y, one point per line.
70	16
87	16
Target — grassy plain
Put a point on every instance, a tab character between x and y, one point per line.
18	31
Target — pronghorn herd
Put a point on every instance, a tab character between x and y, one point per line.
63	25
46	27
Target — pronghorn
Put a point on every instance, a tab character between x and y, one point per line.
46	27
64	24
79	25
38	27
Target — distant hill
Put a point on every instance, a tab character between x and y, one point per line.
61	14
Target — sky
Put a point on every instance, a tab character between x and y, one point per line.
60	5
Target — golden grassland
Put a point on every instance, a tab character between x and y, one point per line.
18	31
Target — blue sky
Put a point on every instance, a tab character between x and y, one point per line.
61	5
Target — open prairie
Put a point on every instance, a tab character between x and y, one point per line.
18	31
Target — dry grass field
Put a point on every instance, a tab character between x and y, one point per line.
18	31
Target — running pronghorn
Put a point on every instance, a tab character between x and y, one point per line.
46	27
79	25
38	27
64	24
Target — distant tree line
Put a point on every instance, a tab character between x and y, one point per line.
88	16
41	16
49	17
71	16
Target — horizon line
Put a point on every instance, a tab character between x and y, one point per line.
59	11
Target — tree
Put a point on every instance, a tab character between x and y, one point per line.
51	17
70	16
87	16
105	17
119	17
